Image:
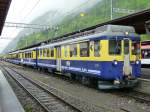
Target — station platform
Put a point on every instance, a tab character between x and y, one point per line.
8	99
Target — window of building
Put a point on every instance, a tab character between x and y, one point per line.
114	47
73	50
84	49
97	48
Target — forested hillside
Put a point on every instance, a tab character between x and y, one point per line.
76	21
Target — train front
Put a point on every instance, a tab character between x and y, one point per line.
124	65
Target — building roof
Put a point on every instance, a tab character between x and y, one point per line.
4	6
145	47
138	20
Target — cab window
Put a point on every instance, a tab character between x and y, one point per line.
73	50
114	47
135	48
97	48
84	49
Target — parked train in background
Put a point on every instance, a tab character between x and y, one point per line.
145	50
108	55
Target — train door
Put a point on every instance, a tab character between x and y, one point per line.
58	58
127	67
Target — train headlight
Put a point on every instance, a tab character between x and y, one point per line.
115	62
137	62
126	33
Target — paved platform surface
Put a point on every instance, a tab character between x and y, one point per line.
8	99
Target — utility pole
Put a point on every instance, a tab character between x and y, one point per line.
111	9
26	42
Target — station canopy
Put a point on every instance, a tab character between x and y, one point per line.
4	6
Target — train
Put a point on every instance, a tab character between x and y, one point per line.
108	56
145	50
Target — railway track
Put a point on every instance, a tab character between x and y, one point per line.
140	96
47	100
143	98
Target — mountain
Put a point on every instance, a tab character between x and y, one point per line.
85	15
51	18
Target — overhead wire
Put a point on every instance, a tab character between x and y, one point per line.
35	5
20	13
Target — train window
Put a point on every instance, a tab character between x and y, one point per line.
65	51
73	50
48	52
146	54
40	52
126	46
135	48
84	49
114	47
29	55
52	52
44	52
97	48
22	55
32	55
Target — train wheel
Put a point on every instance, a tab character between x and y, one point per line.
73	77
39	69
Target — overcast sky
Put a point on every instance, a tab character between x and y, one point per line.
26	10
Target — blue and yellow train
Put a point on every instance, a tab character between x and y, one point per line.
108	55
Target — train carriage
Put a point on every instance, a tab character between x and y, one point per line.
14	57
111	54
29	57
